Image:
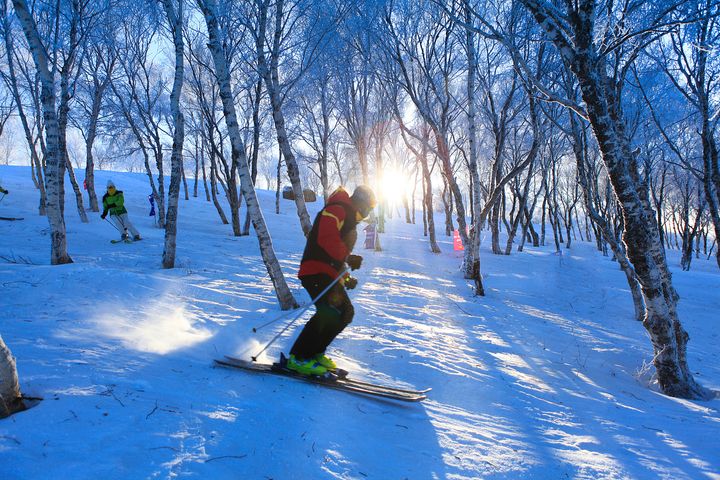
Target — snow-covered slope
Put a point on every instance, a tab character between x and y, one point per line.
540	379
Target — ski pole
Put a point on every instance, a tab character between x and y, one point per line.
312	302
114	226
274	339
1	198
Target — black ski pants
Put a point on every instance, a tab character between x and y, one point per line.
334	313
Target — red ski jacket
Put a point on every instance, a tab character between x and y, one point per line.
332	237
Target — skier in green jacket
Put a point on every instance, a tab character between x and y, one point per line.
114	203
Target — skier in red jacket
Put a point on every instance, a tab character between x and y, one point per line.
327	252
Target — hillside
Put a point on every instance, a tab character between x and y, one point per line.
542	378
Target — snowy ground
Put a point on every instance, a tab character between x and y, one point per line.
542	378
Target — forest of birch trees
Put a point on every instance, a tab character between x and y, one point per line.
520	122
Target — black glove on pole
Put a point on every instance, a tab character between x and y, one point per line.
354	261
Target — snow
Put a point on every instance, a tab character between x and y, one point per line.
542	378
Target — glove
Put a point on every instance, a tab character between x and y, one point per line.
350	283
104	214
6	191
354	261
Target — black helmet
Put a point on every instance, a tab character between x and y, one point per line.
364	200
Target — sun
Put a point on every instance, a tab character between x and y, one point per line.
394	186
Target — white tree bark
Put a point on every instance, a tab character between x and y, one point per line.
271	76
99	68
641	237
175	22
10	397
11	79
601	223
284	295
471	262
139	87
66	72
54	160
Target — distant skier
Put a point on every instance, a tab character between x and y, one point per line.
114	202
328	248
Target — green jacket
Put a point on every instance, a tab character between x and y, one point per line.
115	204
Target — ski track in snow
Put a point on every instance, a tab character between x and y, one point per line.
539	379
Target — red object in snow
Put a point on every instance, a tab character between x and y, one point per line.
457	242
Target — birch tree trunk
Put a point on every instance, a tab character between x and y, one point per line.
471	261
255	146
522	200
204	173
214	189
604	229
158	195
90	141
270	74
76	188
688	61
184	181
380	131
10	397
324	142
222	74
11	78
64	110
197	168
54	164
640	234
175	21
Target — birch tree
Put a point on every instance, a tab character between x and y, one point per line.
78	25
10	396
587	176
174	14
54	159
691	63
268	55
239	157
204	99
586	49
317	125
355	81
423	46
424	50
139	93
97	71
10	77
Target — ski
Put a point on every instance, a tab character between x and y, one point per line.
331	381
121	241
12	219
340	374
337	381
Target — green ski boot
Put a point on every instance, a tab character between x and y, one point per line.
306	367
325	361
